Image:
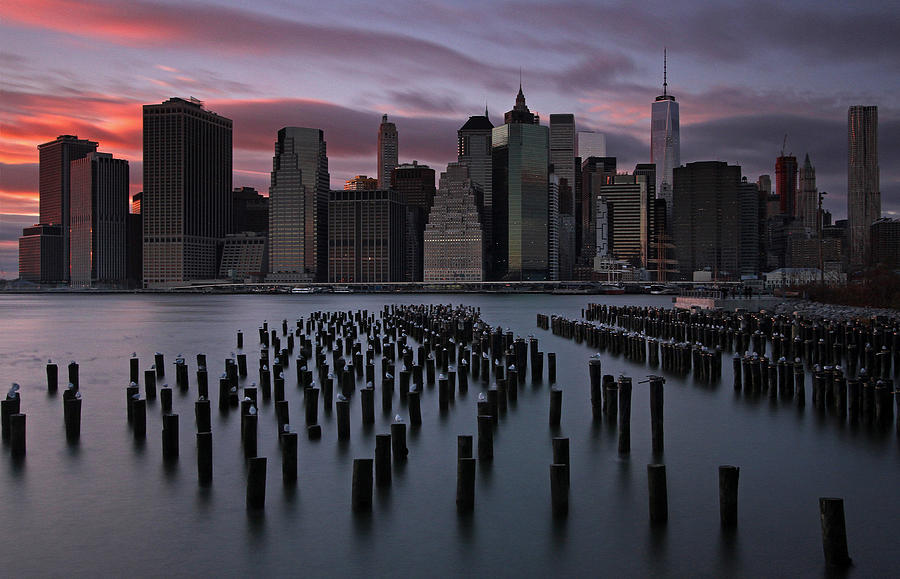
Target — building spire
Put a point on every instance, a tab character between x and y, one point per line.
665	71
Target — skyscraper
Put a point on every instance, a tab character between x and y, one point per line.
553	226
365	236
54	187
665	141
186	205
298	206
786	184
453	244
628	206
807	204
474	151
863	180
41	254
387	152
706	228
250	211
98	221
595	171
562	157
415	183
520	156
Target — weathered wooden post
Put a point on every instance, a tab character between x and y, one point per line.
415	407
139	414
158	365
464	446
383	460
659	501
72	414
165	399
465	484
288	456
361	490
204	458
52	376
559	489
256	482
656	414
624	387
728	495
485	437
17	435
170	436
73	374
596	375
834	532
367	404
150	384
555	407
202	415
561	454
343	417
398	440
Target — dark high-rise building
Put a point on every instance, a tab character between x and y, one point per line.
249	210
98	221
863	180
885	240
388	152
520	156
786	184
365	236
136	202
748	221
41	254
54	185
473	149
415	183
629	207
134	264
595	172
186	205
298	206
562	157
807	203
707	226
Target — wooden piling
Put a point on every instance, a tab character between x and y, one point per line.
204	458
561	454
72	414
343	418
656	414
559	489
361	490
464	446
834	532
52	377
624	388
202	415
170	436
465	484
485	437
398	441
659	502
555	407
728	495
139	422
288	456
383	460
367	404
256	482
415	408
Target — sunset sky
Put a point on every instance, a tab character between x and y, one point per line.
745	72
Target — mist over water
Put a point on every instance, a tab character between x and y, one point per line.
109	506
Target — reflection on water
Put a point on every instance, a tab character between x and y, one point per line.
115	505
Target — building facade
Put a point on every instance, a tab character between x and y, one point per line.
520	156
41	254
388	152
454	249
473	149
628	207
863	181
249	210
298	206
54	183
98	221
244	257
365	236
361	183
786	184
807	204
186	205
707	228
885	236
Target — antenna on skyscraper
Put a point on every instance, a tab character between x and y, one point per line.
665	71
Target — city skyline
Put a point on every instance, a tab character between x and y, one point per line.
430	68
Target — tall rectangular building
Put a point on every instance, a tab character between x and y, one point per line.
786	184
415	183
388	152
41	254
706	228
628	205
298	206
453	236
98	222
54	184
186	205
665	143
863	181
365	236
807	202
520	214
473	150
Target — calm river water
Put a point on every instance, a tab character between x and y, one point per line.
109	506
